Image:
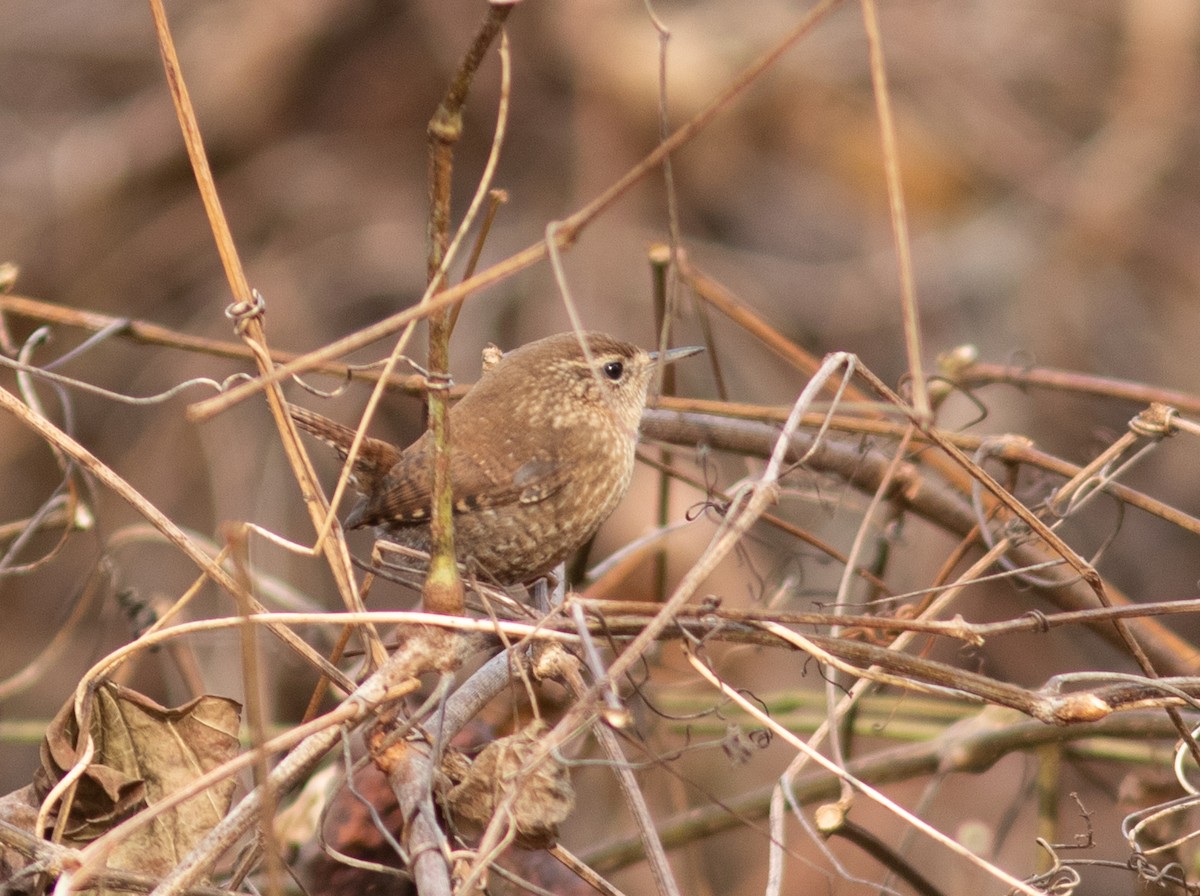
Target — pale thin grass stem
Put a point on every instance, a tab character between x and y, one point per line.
876	796
895	190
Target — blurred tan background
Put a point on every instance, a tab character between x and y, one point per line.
1049	153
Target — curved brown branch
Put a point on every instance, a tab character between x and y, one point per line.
928	498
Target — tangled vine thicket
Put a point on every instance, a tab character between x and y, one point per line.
902	597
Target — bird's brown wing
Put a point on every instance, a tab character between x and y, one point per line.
406	495
403	495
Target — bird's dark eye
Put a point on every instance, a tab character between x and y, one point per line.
613	370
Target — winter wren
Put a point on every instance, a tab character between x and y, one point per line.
541	452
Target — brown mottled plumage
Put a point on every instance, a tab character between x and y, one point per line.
542	450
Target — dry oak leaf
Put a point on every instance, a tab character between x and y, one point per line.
143	753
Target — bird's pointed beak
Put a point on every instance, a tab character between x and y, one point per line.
676	354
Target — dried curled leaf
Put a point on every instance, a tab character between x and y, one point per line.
544	796
143	752
18	811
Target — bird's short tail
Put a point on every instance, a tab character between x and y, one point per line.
374	459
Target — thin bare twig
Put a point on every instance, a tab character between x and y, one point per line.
247	312
564	236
